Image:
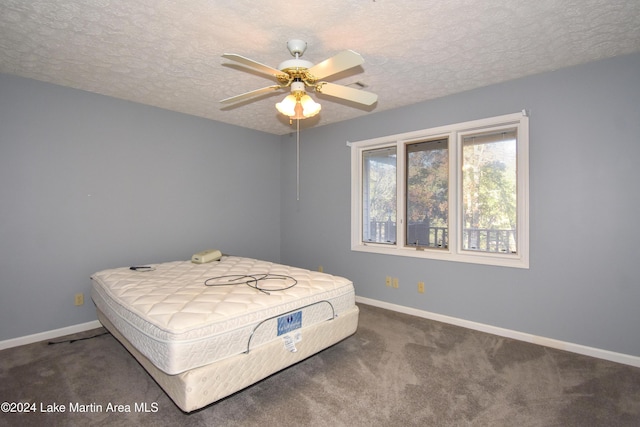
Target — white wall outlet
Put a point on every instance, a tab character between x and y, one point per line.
79	299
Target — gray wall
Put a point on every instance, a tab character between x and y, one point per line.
89	182
583	285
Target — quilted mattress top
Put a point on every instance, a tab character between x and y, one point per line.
174	298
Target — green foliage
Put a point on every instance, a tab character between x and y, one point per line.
489	186
428	187
382	191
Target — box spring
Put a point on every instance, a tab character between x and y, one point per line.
202	386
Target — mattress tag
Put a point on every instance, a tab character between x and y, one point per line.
289	343
289	322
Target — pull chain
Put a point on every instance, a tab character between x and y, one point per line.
298	159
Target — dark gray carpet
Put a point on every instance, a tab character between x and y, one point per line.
396	370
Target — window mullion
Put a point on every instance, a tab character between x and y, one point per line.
401	196
455	195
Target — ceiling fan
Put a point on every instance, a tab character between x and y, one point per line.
299	74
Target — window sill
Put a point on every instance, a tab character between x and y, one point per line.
512	261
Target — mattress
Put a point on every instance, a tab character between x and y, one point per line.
179	323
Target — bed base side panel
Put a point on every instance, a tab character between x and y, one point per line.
202	386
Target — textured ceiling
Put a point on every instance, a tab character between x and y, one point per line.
167	53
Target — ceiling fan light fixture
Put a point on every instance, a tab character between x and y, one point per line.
287	106
298	105
309	107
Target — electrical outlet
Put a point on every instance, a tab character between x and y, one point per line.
388	281
395	282
421	287
79	299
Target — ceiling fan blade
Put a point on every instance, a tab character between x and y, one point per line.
340	62
345	92
252	94
265	69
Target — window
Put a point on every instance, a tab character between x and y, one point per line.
489	193
457	193
427	183
379	195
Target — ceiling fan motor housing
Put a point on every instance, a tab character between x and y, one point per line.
295	64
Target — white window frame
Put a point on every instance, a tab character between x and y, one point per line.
454	133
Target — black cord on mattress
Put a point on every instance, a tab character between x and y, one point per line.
77	339
253	281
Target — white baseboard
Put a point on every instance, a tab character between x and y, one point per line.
47	335
625	359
